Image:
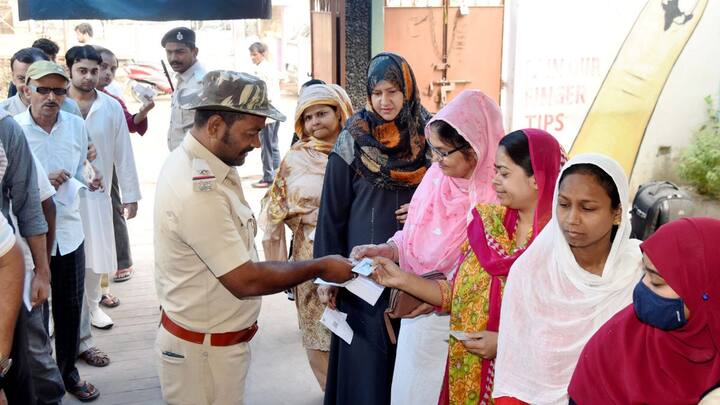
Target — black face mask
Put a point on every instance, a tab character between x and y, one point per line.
654	310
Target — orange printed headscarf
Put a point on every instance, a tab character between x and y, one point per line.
389	154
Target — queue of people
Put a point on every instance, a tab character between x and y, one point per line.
68	142
528	286
535	255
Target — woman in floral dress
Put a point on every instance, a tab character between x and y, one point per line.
527	165
294	200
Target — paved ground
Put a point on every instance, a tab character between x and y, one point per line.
279	373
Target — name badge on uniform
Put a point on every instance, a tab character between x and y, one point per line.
203	178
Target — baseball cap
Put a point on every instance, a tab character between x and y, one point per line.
44	68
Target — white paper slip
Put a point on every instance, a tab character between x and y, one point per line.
146	92
364	267
320	281
68	191
336	321
460	335
27	289
366	289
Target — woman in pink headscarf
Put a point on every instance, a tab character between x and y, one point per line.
527	164
463	137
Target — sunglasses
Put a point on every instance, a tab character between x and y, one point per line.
440	154
59	91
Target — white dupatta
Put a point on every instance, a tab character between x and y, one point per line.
551	306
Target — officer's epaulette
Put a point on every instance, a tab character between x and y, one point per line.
203	178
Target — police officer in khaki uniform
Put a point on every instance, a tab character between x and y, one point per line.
207	273
179	44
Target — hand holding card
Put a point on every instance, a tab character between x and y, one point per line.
460	335
364	267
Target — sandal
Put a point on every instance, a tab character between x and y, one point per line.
123	275
85	392
95	357
109	300
261	184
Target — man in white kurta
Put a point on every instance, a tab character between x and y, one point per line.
106	125
105	122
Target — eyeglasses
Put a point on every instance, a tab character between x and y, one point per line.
442	155
59	91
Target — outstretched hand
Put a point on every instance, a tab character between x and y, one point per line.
336	269
387	273
362	251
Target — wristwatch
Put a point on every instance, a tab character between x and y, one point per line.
5	363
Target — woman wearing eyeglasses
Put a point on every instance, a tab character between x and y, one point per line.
463	138
527	164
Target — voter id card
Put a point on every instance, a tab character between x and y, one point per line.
364	267
460	335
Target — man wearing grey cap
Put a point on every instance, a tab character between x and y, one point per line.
207	274
179	45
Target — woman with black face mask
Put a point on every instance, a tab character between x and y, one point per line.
665	347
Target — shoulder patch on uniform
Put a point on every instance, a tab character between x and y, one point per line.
203	177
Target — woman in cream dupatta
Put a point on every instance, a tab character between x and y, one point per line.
552	305
294	200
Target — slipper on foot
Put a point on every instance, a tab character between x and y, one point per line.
123	275
110	301
85	392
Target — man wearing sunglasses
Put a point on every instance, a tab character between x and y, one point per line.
19	64
20	202
59	141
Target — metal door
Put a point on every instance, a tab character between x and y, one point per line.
327	40
463	53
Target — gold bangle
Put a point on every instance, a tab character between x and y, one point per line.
445	294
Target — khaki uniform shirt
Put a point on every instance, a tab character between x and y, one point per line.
202	231
187	90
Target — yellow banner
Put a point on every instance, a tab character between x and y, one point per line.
616	122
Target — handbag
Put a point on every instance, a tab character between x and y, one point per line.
402	304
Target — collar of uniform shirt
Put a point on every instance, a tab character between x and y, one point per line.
188	74
196	149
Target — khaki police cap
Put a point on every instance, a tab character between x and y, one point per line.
44	68
224	90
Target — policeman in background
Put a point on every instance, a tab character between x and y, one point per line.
207	273
179	44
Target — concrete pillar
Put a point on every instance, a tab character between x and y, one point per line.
357	49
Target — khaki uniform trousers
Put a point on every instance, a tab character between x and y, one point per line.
200	374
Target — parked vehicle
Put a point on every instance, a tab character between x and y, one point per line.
147	74
657	203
